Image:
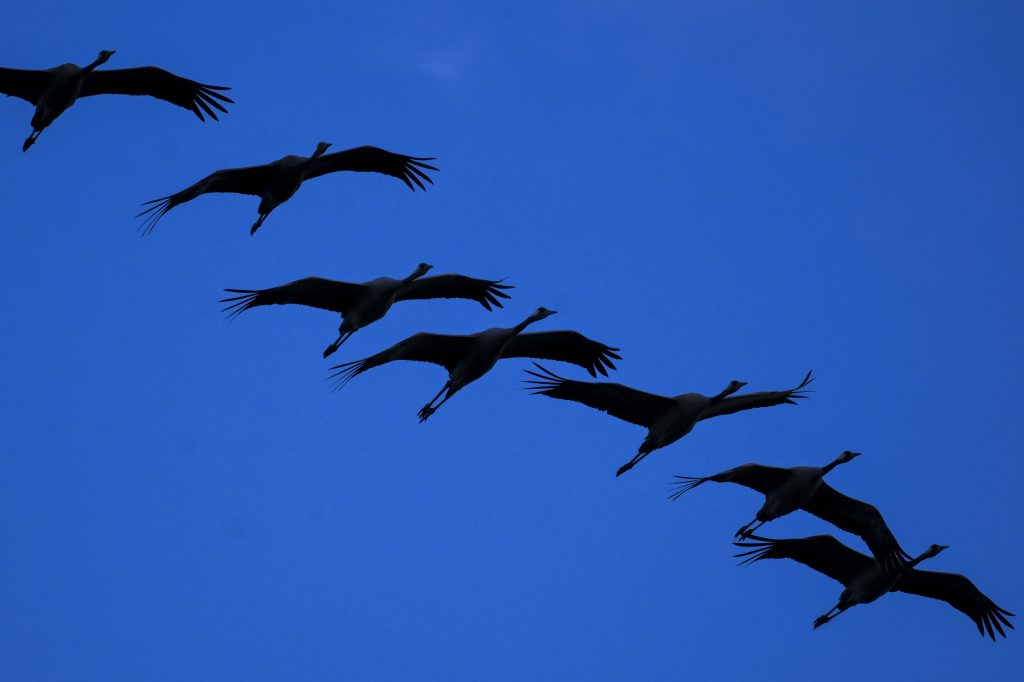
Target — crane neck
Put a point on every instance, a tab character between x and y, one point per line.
831	465
523	325
918	559
721	395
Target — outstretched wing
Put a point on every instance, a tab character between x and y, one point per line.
757	477
250	180
748	401
374	160
623	402
823	553
859	518
565	346
149	80
440	349
960	593
26	84
315	292
484	291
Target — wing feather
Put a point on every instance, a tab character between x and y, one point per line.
960	593
26	84
316	292
484	291
439	349
859	518
369	159
252	180
757	477
823	553
747	401
564	346
623	402
158	83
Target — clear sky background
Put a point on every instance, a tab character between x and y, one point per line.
723	190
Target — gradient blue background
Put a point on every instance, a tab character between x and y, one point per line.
723	190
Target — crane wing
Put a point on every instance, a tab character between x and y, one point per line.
623	402
960	593
565	346
757	477
859	518
440	349
252	180
484	291
823	553
315	292
149	80
25	84
747	401
374	160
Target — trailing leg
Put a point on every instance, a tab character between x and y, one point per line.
343	336
428	409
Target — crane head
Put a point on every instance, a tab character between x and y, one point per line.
422	269
321	147
542	312
104	56
933	550
847	455
733	386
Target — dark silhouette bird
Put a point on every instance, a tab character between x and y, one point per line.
274	183
53	91
363	304
667	419
865	580
469	357
786	490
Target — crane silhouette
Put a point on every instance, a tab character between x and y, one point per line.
363	304
786	490
667	418
274	183
53	91
469	357
865	580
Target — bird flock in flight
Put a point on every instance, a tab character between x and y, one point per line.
469	357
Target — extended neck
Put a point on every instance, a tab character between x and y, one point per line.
724	393
915	561
319	151
524	324
413	277
92	65
832	465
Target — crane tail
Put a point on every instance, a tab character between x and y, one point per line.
684	485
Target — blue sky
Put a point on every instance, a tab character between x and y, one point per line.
722	190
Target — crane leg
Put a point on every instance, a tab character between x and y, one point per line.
342	338
31	140
259	221
821	620
631	463
430	408
744	532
